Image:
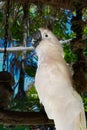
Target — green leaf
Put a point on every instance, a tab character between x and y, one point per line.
31	71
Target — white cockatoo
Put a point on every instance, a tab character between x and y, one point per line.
54	84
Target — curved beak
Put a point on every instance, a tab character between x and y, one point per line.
36	38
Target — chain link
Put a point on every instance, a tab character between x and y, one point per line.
6	36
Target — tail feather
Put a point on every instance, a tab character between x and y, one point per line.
82	121
77	124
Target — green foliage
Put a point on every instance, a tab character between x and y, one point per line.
17	30
3	127
68	54
85	30
85	51
45	16
16	23
36	19
1	24
21	128
60	26
31	71
33	97
28	102
1	16
84	97
14	127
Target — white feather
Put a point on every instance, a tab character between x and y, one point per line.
54	86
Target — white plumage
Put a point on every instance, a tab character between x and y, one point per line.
54	85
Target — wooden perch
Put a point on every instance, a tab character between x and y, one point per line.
15	49
23	118
21	48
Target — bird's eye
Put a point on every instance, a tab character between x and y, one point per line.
45	35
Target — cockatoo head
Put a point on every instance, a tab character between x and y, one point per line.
43	34
44	40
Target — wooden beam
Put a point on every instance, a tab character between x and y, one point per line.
23	118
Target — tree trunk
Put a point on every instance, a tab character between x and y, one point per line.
21	92
78	46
